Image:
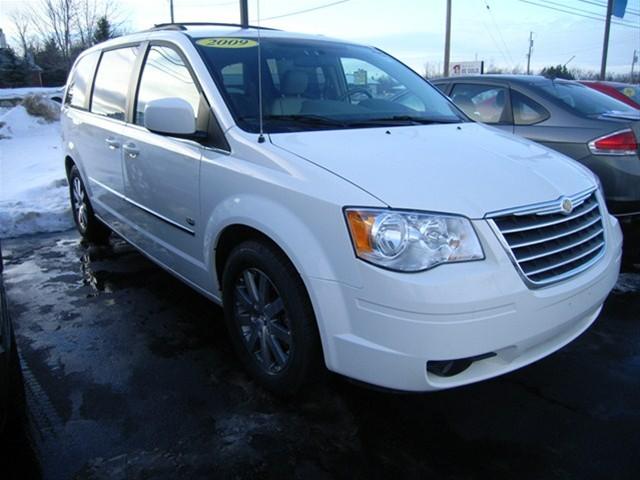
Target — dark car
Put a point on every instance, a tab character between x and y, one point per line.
598	131
11	387
625	92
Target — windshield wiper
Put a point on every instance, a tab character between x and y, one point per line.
410	119
303	119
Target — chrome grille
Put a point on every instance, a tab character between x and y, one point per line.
549	245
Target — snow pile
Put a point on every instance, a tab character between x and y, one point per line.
11	93
33	188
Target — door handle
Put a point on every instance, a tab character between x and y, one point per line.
131	150
112	143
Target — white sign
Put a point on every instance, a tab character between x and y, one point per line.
466	68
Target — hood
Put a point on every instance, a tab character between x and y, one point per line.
468	169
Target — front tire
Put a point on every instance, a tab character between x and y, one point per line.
270	318
86	222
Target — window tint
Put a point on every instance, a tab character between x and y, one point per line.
483	103
365	80
233	78
80	83
112	82
526	111
584	100
165	75
411	101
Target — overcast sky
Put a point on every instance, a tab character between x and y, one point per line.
413	30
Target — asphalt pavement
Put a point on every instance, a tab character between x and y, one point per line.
129	374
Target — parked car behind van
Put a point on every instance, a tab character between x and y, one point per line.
598	131
403	246
625	92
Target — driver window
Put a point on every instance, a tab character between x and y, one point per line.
165	75
365	82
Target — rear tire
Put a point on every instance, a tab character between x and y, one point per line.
86	222
270	319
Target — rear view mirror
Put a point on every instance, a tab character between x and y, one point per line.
170	116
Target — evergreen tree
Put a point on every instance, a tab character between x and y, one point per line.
13	70
559	71
104	30
54	67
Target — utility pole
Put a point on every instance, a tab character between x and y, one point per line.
529	54
171	9
605	46
447	40
244	13
633	63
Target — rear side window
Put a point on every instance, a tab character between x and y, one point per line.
165	75
80	83
583	100
483	103
526	111
112	82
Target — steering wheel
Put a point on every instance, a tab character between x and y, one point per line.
353	91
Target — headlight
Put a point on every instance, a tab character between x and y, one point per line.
410	241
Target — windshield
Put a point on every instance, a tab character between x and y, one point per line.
585	100
310	85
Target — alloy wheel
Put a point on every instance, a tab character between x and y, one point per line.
261	316
80	204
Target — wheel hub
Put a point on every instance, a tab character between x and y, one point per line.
261	316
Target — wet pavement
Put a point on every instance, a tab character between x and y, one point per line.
129	374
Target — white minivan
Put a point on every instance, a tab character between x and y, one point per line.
342	210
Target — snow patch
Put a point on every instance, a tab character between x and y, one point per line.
628	283
11	93
34	197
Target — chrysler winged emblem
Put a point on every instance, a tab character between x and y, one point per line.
566	205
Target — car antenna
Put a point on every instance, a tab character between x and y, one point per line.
260	113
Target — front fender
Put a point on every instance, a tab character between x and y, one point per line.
319	248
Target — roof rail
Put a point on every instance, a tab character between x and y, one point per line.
184	25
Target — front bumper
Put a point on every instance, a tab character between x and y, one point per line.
385	332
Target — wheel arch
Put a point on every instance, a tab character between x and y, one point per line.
68	164
232	236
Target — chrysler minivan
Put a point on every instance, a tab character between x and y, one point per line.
404	246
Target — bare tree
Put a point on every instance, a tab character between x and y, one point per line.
56	19
22	24
86	19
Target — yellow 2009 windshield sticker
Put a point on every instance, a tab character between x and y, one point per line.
229	42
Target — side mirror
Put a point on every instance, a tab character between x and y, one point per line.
170	116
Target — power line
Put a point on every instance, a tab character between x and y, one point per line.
604	5
307	10
594	17
495	42
589	12
499	31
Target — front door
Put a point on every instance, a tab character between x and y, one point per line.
161	173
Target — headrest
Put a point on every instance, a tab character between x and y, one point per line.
294	82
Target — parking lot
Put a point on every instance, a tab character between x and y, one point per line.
129	374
